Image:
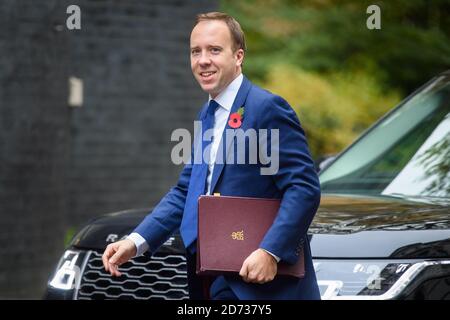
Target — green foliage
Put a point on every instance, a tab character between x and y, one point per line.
333	109
70	233
331	35
339	75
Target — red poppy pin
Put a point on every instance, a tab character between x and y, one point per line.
236	118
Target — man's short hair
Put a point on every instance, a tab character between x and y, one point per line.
235	28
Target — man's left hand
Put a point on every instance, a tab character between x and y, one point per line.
259	267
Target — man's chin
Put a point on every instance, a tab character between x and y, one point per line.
210	89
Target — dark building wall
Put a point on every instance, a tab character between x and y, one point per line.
60	165
34	145
138	89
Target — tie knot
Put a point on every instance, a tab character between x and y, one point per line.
213	105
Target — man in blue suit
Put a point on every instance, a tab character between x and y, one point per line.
217	53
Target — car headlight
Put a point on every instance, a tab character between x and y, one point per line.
68	271
373	279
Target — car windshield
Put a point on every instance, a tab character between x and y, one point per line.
407	153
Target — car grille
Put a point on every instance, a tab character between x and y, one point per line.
161	277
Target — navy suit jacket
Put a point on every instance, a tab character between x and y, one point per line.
296	184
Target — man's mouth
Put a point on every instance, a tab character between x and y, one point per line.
207	74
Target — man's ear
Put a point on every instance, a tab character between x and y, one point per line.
239	57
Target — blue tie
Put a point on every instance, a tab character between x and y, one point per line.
197	185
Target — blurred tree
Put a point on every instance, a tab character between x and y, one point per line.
337	74
331	35
333	109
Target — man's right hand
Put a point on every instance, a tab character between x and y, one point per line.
116	254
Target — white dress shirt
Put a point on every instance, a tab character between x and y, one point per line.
225	100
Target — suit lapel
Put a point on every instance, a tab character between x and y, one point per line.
238	102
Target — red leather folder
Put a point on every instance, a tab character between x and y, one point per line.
230	229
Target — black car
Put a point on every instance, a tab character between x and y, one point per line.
382	230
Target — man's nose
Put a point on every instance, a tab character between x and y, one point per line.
204	59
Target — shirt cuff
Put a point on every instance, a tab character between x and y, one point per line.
139	242
276	257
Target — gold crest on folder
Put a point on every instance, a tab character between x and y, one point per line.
238	235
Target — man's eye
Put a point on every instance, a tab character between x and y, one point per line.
195	52
215	50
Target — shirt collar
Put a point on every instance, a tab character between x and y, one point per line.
226	98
